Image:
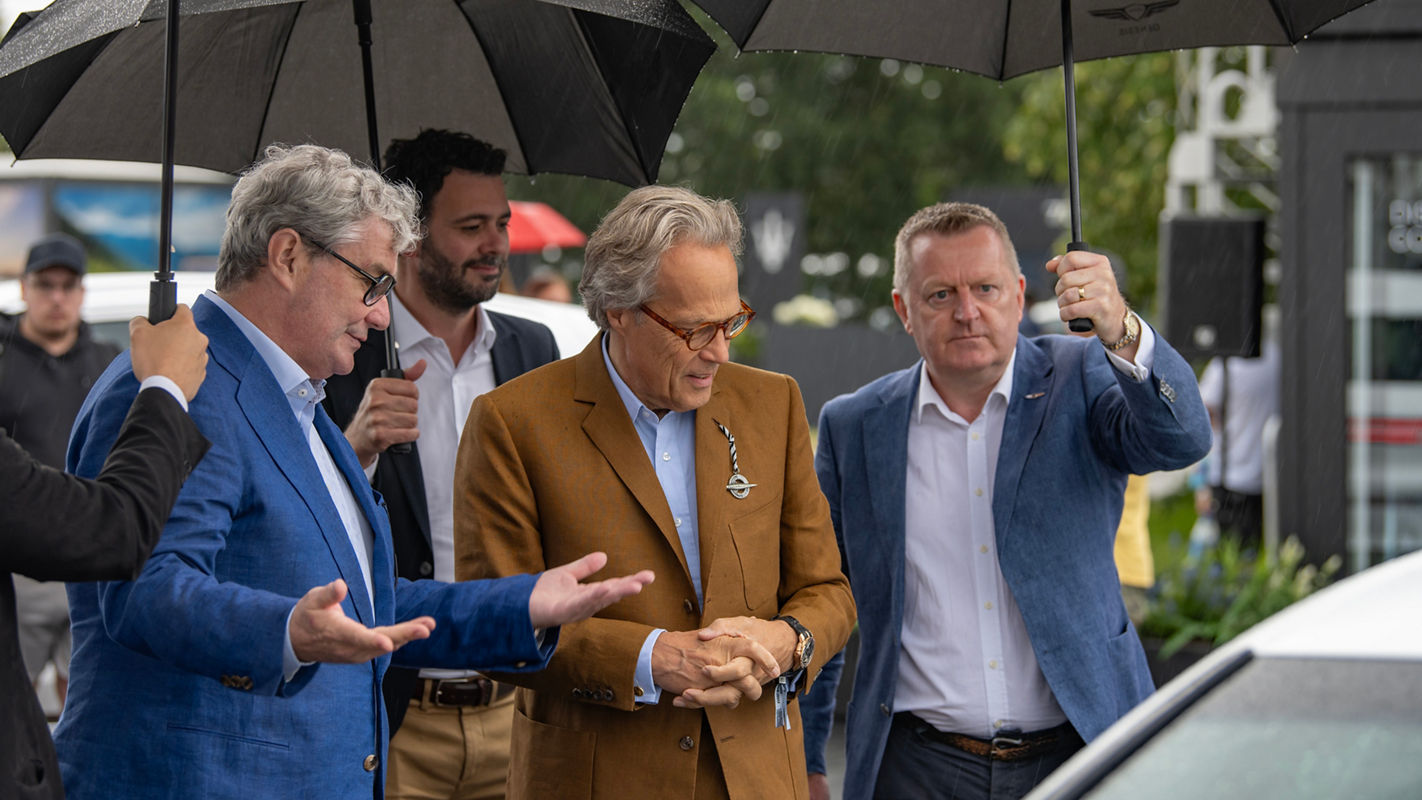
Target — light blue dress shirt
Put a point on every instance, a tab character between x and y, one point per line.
670	442
304	395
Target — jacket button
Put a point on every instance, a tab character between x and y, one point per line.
370	763
687	743
885	710
689	606
607	695
426	568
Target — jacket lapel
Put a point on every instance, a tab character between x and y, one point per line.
714	508
381	560
609	428
266	410
1031	387
885	432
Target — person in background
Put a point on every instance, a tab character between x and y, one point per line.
449	728
48	361
55	527
547	283
1236	466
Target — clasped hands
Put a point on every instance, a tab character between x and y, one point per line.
730	659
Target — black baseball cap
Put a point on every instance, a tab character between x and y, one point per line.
57	250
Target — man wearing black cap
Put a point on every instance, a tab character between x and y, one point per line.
48	361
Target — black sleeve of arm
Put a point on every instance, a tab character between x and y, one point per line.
55	526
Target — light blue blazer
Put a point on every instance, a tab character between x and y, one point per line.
1075	428
175	687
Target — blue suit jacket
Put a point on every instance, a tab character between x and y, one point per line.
1075	428
176	687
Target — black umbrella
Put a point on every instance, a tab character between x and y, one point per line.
1007	38
586	87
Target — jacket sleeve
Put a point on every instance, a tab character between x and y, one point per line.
58	527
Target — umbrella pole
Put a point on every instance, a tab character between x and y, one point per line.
1073	181
162	292
363	20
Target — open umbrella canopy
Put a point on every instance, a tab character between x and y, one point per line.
534	226
1006	38
585	87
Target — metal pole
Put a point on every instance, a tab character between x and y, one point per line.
1073	185
162	292
362	21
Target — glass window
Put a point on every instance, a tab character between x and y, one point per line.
1385	329
21	223
1297	728
118	222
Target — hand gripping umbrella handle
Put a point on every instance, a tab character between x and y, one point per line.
392	370
162	297
1081	325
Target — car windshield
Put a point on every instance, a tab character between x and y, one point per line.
1297	728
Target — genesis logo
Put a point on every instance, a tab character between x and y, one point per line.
1135	12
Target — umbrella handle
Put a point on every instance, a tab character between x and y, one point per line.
162	297
1082	324
392	370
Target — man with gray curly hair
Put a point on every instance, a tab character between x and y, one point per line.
228	674
652	445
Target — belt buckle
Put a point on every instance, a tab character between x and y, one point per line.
461	686
1005	741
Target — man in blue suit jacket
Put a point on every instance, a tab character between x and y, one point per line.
976	496
220	672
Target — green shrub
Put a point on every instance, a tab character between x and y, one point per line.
1226	591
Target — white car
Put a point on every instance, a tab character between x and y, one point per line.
111	299
1322	700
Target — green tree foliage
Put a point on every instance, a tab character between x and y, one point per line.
869	141
1126	115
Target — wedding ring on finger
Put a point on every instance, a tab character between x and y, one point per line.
1080	293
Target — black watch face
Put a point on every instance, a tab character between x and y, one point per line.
809	651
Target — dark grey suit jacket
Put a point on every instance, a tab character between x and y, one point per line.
57	527
519	346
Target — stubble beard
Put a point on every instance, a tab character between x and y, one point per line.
444	283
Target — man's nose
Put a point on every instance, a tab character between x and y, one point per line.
967	308
718	351
378	315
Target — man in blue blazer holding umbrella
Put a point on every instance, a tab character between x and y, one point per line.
245	660
976	497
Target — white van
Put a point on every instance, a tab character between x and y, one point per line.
111	299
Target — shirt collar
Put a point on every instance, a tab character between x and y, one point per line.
929	397
302	393
409	332
635	408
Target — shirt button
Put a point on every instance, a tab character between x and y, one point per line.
978	492
982	548
370	763
677	521
666	456
300	392
976	437
997	723
992	664
686	743
988	605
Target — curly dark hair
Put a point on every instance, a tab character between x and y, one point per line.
422	162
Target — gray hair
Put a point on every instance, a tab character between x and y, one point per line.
624	253
947	219
320	193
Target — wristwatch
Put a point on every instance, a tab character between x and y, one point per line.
1133	332
804	644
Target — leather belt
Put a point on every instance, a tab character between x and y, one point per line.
1007	745
454	692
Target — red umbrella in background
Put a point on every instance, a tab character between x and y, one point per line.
534	226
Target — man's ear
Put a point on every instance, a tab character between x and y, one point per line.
286	257
618	320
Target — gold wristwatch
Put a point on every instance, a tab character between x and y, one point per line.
1133	332
804	643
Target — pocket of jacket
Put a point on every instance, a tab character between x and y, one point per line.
757	539
550	761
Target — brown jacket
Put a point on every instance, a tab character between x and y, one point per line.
550	468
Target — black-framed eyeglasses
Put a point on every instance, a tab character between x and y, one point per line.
379	286
704	334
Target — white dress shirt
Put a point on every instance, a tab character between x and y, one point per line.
966	664
447	390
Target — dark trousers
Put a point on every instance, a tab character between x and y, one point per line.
1240	515
918	766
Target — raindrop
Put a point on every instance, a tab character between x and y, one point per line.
675	143
913	73
883	318
889	67
745	89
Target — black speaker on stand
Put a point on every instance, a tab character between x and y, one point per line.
1212	285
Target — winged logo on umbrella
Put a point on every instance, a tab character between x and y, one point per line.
1135	11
